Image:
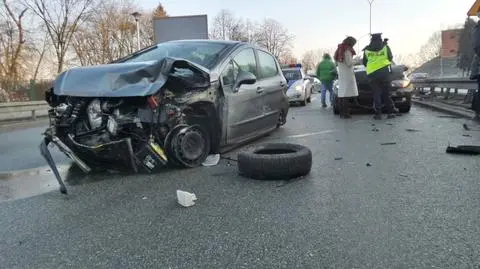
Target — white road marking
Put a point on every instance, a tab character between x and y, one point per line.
311	134
314	98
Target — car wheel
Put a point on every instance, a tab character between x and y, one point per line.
275	161
282	119
304	102
187	145
405	108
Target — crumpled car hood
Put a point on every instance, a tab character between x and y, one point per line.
129	79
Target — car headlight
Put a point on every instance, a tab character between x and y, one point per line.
94	112
402	83
298	88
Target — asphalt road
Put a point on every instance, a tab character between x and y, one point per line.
412	206
19	146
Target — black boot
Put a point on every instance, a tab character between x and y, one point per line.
346	106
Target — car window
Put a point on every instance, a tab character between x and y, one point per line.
245	60
230	74
268	65
292	74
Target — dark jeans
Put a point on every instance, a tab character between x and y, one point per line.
327	86
381	86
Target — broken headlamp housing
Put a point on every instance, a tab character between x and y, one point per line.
94	112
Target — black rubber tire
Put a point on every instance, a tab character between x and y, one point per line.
404	108
303	103
275	161
282	119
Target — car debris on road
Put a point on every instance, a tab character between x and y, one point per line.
186	199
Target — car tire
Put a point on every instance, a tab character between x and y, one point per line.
282	118
275	161
304	102
405	108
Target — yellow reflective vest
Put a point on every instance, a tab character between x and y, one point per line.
377	59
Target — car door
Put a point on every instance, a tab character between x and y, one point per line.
274	85
243	106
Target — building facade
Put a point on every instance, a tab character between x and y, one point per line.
450	41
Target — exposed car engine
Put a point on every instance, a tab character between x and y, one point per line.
140	133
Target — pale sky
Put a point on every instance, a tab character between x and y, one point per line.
324	23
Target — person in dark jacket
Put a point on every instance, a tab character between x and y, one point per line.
475	70
475	75
377	58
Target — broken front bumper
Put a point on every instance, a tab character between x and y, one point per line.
148	158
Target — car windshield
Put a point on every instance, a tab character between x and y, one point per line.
201	53
292	74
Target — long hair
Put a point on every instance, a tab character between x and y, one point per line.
350	40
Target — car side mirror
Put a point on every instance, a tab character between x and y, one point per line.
244	77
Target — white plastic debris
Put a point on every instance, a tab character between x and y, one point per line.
211	160
186	199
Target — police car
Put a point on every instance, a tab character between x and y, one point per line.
299	84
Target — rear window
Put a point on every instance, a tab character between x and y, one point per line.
293	74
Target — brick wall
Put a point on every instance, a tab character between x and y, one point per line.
450	40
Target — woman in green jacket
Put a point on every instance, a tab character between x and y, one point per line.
326	73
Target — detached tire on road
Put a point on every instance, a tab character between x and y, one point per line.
275	161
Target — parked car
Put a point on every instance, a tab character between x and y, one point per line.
316	84
171	103
299	84
401	90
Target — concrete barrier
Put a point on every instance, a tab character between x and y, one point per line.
23	110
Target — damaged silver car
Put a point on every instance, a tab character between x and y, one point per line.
173	103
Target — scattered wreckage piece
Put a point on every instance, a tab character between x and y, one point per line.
141	116
186	199
275	161
464	149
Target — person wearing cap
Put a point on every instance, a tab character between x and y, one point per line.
326	73
377	58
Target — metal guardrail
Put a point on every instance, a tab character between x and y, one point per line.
23	110
446	86
450	83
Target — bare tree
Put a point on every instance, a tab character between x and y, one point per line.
41	54
274	37
288	58
227	27
12	41
431	49
111	34
62	19
311	58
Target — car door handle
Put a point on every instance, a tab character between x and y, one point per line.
259	90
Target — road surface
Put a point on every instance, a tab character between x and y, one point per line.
403	205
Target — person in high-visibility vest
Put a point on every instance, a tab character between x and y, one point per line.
377	58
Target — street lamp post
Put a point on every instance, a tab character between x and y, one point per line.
370	2
137	15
